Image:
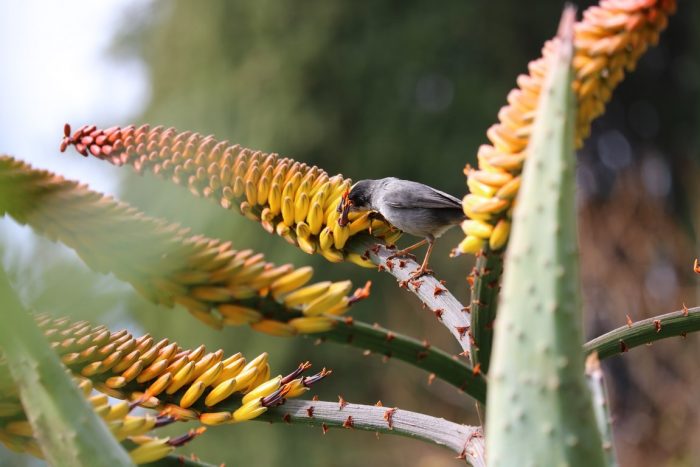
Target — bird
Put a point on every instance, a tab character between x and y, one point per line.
414	208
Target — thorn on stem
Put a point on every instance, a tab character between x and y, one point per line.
348	423
389	417
623	347
477	369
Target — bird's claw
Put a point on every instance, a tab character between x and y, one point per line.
401	254
420	272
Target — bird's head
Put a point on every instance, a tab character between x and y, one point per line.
358	198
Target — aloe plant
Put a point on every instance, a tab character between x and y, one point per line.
539	407
522	350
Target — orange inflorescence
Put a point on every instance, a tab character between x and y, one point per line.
186	383
609	41
165	263
180	384
17	433
289	198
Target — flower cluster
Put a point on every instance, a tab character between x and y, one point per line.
298	202
181	384
191	383
166	264
609	41
17	434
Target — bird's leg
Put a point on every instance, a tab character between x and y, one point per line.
423	269
405	252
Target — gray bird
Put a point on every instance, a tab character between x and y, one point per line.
412	207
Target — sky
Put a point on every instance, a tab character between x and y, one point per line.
56	68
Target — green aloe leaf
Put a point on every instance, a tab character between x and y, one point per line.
539	407
68	430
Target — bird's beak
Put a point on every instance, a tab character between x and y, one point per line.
343	220
341	205
343	200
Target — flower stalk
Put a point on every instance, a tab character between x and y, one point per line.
620	340
601	407
465	441
432	292
421	354
484	282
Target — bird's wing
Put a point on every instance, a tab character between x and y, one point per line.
407	194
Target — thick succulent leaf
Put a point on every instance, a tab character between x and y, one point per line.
539	407
68	430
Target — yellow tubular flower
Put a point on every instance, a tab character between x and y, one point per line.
608	40
184	384
289	198
216	283
17	433
151	451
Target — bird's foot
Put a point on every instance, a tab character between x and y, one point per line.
401	254
420	272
